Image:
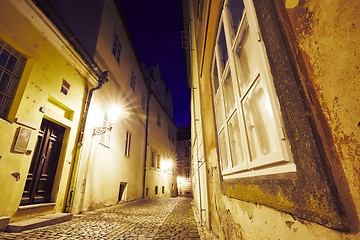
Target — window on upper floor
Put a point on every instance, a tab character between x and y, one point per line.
153	159
143	103
158	161
12	64
249	128
116	49
133	81
187	174
127	143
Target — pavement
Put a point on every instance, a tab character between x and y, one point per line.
144	219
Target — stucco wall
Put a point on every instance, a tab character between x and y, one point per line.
321	108
327	35
104	168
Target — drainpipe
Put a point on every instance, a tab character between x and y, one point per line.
102	79
75	168
146	139
199	178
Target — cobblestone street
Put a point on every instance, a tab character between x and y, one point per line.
143	219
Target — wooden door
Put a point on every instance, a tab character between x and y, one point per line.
40	179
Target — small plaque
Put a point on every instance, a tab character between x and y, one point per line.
22	140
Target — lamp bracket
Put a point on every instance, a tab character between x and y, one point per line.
100	130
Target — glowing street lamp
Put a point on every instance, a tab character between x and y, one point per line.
114	113
166	165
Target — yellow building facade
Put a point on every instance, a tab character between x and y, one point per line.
44	113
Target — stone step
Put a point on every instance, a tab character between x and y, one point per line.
4	221
37	222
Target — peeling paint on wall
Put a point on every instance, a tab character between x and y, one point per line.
291	4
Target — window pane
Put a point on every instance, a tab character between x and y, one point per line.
4	82
223	151
158	161
215	78
222	50
235	9
260	121
218	112
246	60
229	97
11	63
5	105
3	57
236	147
19	66
14	82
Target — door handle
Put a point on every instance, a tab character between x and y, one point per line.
43	159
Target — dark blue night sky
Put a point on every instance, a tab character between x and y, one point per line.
155	30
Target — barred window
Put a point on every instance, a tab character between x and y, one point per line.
12	64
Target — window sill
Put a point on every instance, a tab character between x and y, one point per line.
288	168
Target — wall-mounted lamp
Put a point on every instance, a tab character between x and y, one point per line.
100	130
166	165
113	114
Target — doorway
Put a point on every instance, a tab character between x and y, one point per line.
121	190
40	179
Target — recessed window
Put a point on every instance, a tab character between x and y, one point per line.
187	174
133	81
116	49
153	159
156	190
246	109
143	103
158	161
127	143
162	190
12	64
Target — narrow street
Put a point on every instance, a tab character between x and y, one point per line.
171	218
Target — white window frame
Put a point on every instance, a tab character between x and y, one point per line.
280	159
